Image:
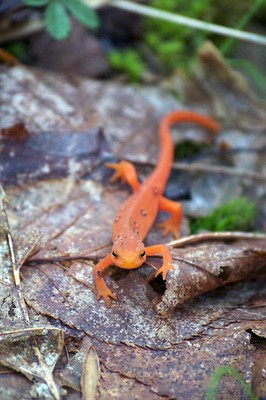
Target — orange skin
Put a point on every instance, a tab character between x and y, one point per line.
136	216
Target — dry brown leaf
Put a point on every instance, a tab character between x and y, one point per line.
14	386
140	353
183	371
226	91
90	375
258	382
50	290
20	347
206	267
44	155
20	350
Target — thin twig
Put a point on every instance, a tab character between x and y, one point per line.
201	237
188	22
32	250
207	168
61	259
219	169
37	330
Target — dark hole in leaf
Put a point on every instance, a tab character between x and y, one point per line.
255	340
225	272
158	284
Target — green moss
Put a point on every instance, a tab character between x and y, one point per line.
128	61
215	379
236	215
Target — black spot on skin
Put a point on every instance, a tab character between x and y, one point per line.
117	218
143	212
99	274
155	190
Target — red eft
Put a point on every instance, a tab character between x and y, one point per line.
137	214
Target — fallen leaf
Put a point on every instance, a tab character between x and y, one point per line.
90	375
209	266
72	205
33	352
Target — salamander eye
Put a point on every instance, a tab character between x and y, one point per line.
142	255
114	254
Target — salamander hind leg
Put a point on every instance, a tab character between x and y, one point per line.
167	259
126	172
171	225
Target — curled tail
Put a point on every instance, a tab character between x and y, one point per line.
167	151
188	116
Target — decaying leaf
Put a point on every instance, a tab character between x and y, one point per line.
61	133
34	357
44	154
20	347
227	91
90	375
206	267
258	382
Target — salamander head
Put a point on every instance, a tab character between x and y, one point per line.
128	253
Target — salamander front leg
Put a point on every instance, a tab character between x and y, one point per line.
171	225
126	172
161	249
102	289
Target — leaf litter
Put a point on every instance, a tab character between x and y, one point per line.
65	198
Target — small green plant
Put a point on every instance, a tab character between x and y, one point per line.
246	18
215	380
173	45
164	44
242	64
56	15
168	46
128	61
236	215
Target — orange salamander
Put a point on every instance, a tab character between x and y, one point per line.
137	214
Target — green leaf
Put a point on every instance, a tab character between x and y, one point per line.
84	14
35	3
57	20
